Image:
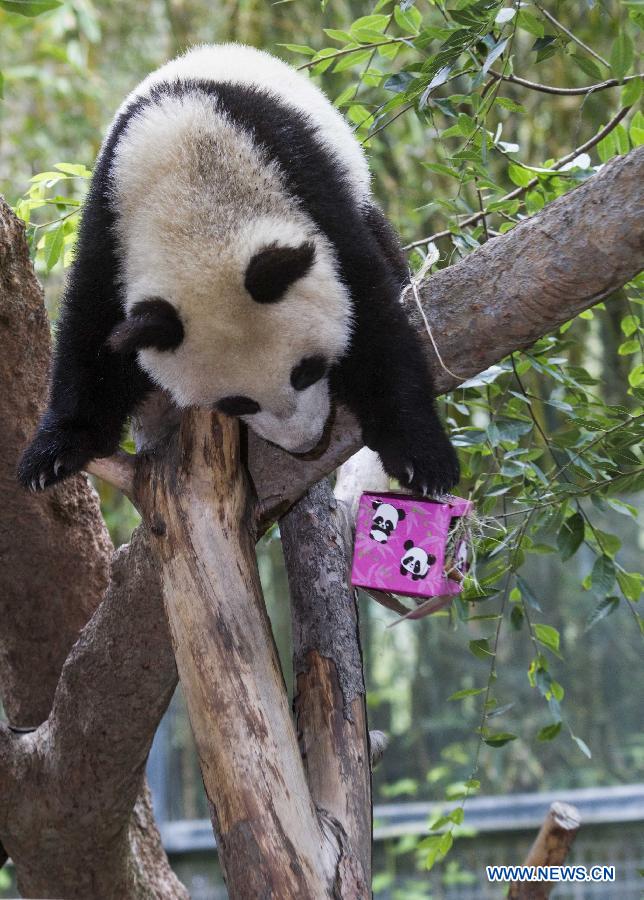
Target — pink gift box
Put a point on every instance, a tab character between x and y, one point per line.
401	544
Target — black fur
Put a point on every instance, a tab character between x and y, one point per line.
150	323
238	406
384	378
274	269
308	371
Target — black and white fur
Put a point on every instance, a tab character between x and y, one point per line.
416	562
384	521
230	252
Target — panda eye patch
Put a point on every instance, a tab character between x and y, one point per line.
308	371
238	406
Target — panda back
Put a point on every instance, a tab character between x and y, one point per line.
244	66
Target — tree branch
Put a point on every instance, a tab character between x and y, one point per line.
329	704
564	92
71	580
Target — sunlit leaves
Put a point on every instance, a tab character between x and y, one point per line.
29	8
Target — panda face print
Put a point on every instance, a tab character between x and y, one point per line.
385	519
416	561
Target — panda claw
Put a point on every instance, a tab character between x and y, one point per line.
34	485
425	490
58	465
43	479
410	473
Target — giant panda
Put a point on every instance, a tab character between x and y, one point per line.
230	252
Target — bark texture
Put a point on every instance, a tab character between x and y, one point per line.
329	704
75	814
502	297
45	597
195	498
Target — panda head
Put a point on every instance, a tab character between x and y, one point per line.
416	562
385	519
252	332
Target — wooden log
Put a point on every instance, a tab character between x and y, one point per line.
550	848
195	498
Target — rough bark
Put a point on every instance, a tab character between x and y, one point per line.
551	847
502	297
68	815
194	495
329	704
45	597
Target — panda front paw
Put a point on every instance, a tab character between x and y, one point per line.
56	452
424	463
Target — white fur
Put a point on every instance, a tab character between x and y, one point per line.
195	199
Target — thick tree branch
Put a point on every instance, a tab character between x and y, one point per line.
500	298
550	848
329	703
194	495
67	582
67	790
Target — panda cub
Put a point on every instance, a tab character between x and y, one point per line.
230	252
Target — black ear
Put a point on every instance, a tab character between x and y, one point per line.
150	323
375	504
408	545
401	514
274	269
403	570
431	559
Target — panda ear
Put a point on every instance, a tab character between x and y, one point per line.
275	268
403	570
150	323
401	514
408	545
375	504
431	559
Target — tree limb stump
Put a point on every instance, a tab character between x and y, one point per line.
550	848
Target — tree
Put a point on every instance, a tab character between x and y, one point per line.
297	823
454	108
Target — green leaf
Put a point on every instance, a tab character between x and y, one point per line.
548	636
603	575
587	65
636	130
518	175
500	739
298	48
466	692
629	325
54	247
630	584
570	536
1	86
530	23
548	732
527	594
628	347
481	649
621	54
583	746
604	608
29	8
631	92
